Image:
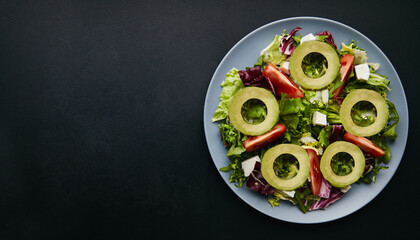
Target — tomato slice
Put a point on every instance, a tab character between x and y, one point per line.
364	144
257	142
347	62
282	82
315	174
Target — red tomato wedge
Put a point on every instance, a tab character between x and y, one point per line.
257	142
282	82
364	144
315	174
347	62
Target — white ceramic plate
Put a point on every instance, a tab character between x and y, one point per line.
244	54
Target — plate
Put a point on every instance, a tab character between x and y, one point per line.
244	54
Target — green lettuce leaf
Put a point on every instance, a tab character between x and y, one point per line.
360	55
272	52
342	164
378	80
231	85
314	65
260	62
324	135
290	105
254	111
354	84
290	114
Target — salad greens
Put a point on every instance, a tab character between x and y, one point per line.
300	116
342	164
314	65
286	166
230	86
272	52
254	111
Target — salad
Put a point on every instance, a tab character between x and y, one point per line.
306	122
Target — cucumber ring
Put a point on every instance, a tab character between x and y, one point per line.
301	52
235	110
371	96
270	176
358	158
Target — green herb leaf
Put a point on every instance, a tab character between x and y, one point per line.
393	119
237	175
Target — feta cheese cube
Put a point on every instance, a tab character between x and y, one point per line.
345	189
308	37
317	97
285	65
362	71
289	193
319	119
285	68
325	96
320	151
249	164
307	139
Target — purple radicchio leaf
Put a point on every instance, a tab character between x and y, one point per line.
254	77
257	182
325	189
369	163
286	45
251	76
322	203
340	100
336	133
329	39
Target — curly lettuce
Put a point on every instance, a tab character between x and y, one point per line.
231	85
272	52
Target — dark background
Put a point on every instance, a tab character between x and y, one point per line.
101	128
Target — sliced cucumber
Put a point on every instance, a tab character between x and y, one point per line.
371	96
301	52
354	175
235	110
267	166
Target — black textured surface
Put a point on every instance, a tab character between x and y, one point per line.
101	129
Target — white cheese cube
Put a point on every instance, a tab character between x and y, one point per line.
289	193
249	164
317	97
362	71
285	68
345	189
319	119
325	96
308	37
307	139
285	65
320	151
